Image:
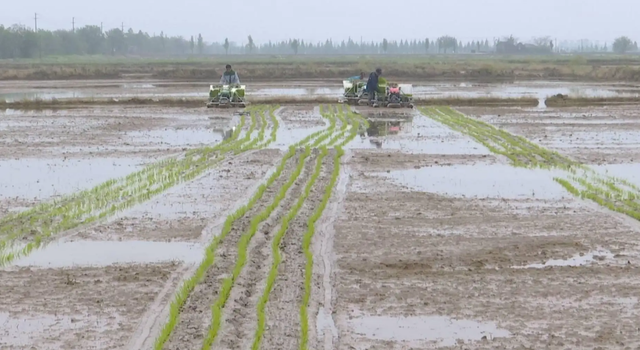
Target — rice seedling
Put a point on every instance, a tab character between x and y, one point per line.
227	284
112	196
275	248
616	194
306	244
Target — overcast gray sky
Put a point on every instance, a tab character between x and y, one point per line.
338	19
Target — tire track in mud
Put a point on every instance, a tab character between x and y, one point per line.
323	332
195	316
283	325
240	318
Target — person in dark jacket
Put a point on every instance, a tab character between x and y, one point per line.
372	85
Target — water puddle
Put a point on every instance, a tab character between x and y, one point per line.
324	323
318	91
138	86
104	253
576	260
482	181
444	330
565	137
45	95
43	178
539	90
629	171
177	137
19	332
286	137
414	134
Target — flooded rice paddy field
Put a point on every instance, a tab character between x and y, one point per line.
21	90
428	239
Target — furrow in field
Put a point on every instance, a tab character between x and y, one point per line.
229	264
279	321
35	227
195	315
239	318
613	193
220	303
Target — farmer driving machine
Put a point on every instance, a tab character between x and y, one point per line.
391	95
225	96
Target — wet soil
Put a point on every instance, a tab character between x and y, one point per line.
429	254
76	308
428	232
592	135
195	318
108	132
287	294
181	213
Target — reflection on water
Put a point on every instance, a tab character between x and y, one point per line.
384	127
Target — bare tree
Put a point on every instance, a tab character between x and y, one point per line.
542	40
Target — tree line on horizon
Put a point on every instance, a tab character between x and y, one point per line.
19	41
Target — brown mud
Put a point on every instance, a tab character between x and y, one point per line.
591	135
404	253
76	308
283	307
195	317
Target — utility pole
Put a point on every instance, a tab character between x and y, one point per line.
35	18
122	28
101	32
73	24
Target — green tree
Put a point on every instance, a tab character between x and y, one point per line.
622	45
115	40
192	45
200	44
385	45
295	44
447	43
251	45
92	38
226	46
426	45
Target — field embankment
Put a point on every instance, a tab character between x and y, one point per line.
282	68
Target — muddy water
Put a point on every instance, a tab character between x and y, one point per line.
443	330
482	181
627	171
539	89
94	253
576	260
286	137
414	134
43	178
176	137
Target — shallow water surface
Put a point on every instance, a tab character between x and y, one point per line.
414	134
444	330
482	181
104	253
177	137
576	260
42	178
